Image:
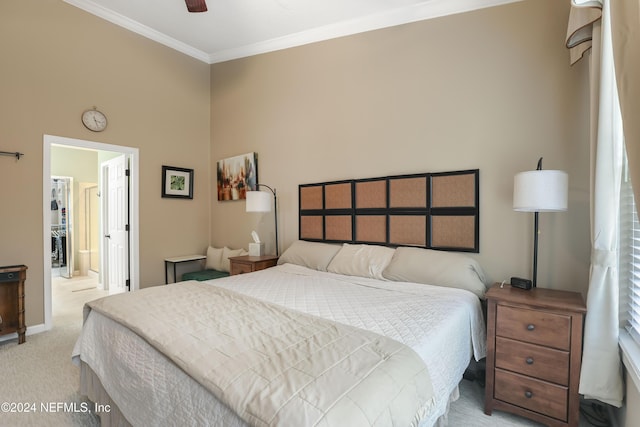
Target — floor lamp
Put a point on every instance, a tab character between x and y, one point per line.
540	191
260	201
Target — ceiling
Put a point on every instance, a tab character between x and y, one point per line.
233	29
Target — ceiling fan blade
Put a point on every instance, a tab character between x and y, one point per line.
196	5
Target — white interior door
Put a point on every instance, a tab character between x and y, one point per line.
94	228
116	234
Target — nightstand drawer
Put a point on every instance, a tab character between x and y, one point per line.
248	263
534	326
529	393
237	268
533	360
9	276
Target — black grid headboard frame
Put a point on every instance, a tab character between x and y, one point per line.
429	210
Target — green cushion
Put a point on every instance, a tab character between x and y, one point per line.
204	275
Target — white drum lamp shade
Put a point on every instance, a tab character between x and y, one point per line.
258	201
540	191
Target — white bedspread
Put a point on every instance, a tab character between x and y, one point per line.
444	326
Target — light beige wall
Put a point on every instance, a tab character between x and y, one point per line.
490	89
57	61
82	165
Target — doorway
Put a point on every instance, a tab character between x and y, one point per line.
62	227
93	242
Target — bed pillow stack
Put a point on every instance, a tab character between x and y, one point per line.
403	264
361	260
316	256
218	258
438	268
214	259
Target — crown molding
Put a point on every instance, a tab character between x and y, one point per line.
418	12
424	10
136	27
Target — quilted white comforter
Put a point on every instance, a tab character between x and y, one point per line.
444	326
275	366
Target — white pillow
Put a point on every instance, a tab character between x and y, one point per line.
438	268
227	253
314	255
361	260
214	258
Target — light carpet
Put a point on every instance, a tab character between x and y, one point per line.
37	378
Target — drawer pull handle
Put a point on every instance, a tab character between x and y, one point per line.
530	327
528	394
529	360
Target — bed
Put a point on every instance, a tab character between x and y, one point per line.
361	322
443	325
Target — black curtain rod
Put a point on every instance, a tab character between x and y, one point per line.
15	154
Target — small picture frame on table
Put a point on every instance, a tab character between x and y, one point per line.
177	182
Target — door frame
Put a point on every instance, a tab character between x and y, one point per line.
134	208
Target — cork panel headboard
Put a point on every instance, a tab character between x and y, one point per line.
431	210
338	196
371	228
408	230
408	192
371	194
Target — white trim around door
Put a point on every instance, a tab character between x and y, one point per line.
134	207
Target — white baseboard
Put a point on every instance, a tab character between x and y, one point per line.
31	330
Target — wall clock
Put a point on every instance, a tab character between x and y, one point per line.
94	120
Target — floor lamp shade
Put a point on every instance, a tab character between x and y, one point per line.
540	191
258	201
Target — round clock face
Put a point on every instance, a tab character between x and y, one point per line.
94	120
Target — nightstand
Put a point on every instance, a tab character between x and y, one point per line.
534	352
12	280
248	263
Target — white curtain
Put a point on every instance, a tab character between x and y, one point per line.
601	374
584	13
625	28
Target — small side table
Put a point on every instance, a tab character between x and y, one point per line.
248	263
12	300
177	260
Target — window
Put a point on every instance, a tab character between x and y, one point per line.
629	258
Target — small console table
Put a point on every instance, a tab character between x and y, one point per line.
177	260
12	300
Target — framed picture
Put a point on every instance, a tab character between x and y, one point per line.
177	182
237	175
